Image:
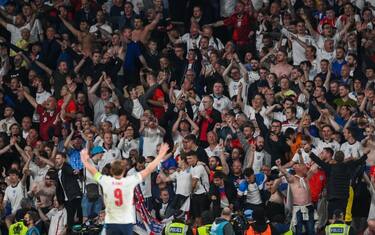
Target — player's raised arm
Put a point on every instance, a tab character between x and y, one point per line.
152	165
84	157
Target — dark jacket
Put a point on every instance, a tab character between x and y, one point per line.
51	50
338	176
230	192
277	149
68	183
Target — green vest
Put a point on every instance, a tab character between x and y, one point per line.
204	230
176	229
339	229
290	232
17	229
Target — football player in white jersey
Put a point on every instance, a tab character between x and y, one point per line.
119	191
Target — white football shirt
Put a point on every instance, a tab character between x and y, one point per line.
119	198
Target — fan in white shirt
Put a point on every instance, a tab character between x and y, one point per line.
326	141
256	106
192	38
351	148
234	75
110	116
152	135
298	51
111	153
57	217
213	149
15	191
183	181
302	156
221	102
182	127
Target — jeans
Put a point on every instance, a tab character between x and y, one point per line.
91	209
119	229
309	224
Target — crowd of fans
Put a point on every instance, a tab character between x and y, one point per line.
268	107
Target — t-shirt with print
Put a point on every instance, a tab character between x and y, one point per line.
119	198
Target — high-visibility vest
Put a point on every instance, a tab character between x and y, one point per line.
204	230
218	229
250	231
337	229
17	229
176	229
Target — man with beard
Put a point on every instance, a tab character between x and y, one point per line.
275	143
256	156
246	135
217	164
58	76
68	189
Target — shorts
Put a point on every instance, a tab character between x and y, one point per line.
119	229
199	203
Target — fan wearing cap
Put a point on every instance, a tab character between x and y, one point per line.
92	201
338	226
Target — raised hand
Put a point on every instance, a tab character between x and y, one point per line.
278	162
164	147
84	155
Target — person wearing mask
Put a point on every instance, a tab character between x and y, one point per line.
338	226
222	224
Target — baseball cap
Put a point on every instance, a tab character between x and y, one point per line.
248	214
97	150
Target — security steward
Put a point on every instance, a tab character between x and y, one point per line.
207	220
177	227
258	223
338	227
